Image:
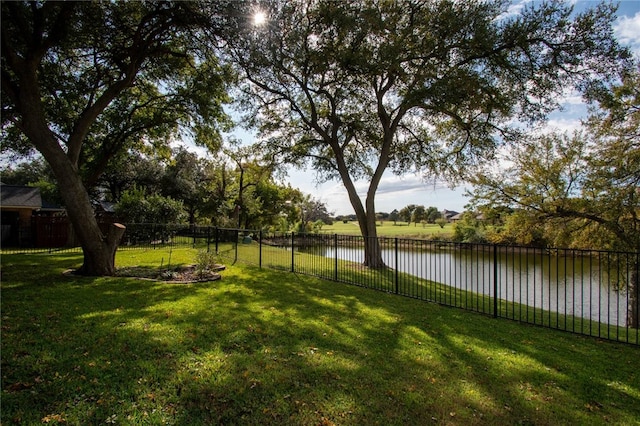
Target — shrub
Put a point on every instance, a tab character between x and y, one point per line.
441	222
205	262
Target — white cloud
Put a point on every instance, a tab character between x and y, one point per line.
394	192
402	184
561	125
513	10
626	27
627	30
573	98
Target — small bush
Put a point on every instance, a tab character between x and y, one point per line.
205	262
441	222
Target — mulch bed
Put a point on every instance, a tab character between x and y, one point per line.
179	275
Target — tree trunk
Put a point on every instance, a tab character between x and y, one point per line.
373	253
98	250
97	262
366	217
372	250
367	224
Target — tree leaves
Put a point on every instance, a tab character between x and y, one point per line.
578	190
354	88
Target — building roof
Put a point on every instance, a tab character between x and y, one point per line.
448	214
104	207
20	196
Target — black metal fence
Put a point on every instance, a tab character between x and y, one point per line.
588	292
59	237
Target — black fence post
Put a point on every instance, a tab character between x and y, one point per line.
50	237
396	263
293	250
260	249
335	258
235	259
217	240
495	281
636	284
208	239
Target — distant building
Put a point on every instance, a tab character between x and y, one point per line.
104	209
456	217
449	214
479	217
20	206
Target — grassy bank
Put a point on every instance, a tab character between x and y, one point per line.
265	347
389	229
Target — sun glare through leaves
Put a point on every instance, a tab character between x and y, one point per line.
259	18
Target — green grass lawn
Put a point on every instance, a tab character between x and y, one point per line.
269	347
309	262
389	229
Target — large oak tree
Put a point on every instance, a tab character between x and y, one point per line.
356	88
82	81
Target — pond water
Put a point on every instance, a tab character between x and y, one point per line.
567	283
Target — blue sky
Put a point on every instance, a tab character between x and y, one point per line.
396	192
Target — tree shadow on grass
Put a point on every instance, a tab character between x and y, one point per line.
262	347
517	372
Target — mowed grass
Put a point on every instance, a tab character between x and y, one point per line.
389	229
309	262
269	347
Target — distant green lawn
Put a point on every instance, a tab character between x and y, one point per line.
268	347
389	229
